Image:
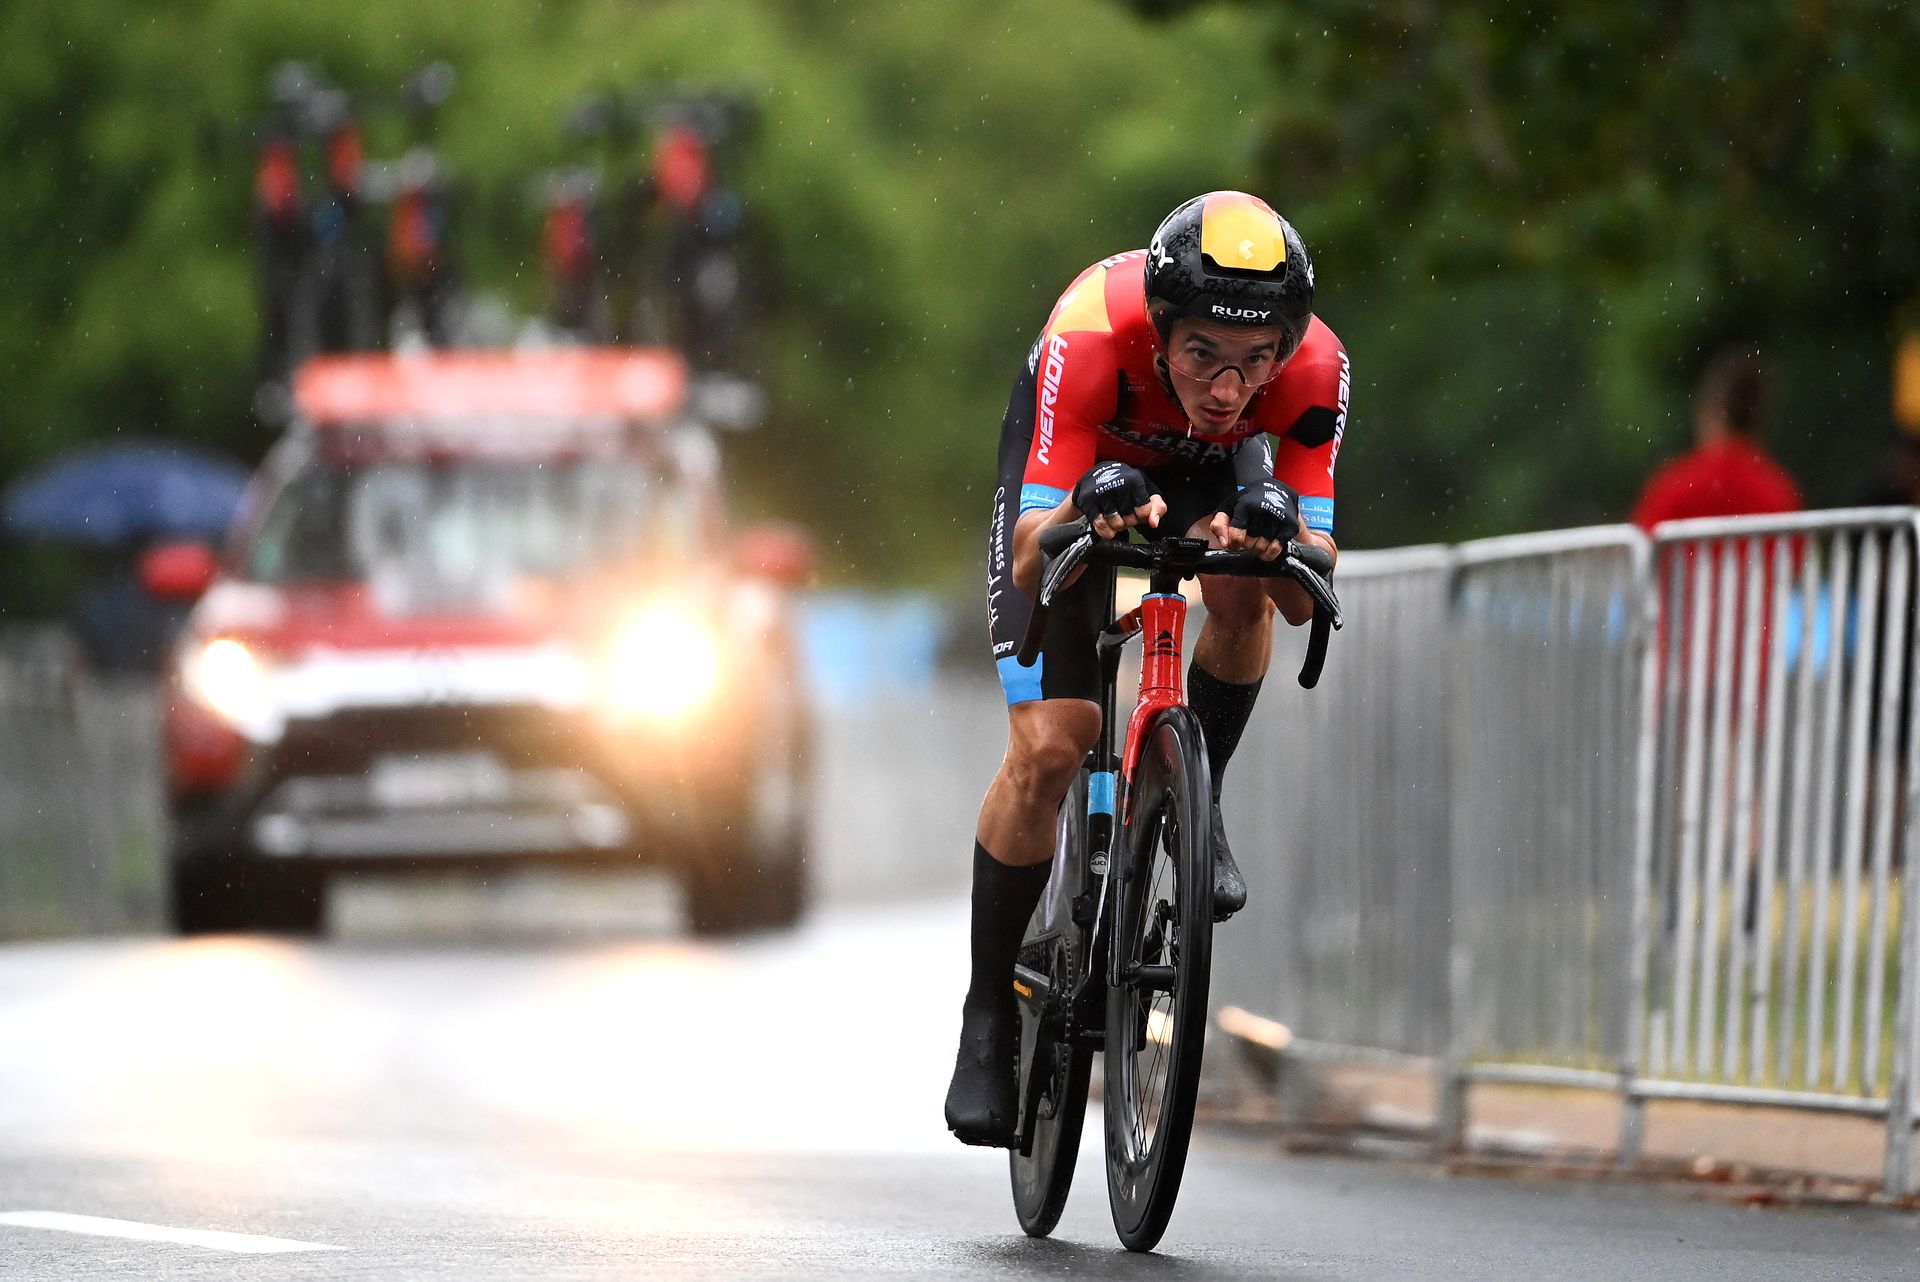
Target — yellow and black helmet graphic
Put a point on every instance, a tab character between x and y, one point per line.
1227	256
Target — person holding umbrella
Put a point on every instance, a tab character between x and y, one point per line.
115	502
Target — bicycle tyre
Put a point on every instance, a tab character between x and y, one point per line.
1170	801
1043	1176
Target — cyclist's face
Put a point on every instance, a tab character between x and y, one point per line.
1215	369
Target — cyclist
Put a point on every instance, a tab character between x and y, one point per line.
1187	388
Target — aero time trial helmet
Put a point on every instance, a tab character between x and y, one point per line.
1226	256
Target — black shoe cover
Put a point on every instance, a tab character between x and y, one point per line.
982	1101
1229	891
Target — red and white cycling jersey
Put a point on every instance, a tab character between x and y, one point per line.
1101	396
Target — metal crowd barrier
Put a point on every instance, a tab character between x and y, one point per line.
1549	635
82	817
900	776
1664	846
1782	876
1340	932
80	806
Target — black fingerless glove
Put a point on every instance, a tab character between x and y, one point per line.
1269	510
1111	489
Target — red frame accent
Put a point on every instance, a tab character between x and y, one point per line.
1163	624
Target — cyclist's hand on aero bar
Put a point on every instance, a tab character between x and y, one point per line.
1114	496
1263	517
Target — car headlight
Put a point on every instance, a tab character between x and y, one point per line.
665	663
232	681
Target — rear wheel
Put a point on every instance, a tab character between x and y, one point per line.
1054	1089
209	894
783	814
289	899
204	897
752	873
1157	1004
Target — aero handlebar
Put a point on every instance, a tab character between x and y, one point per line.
1065	548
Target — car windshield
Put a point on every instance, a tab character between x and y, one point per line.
457	528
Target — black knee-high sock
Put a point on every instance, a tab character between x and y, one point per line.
1222	708
1003	900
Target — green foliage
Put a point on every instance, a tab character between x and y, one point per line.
1532	219
924	181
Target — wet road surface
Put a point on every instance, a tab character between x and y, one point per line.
410	1100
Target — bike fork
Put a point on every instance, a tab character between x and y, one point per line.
1162	618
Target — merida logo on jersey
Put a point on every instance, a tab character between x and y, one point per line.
1340	420
1239	313
1050	393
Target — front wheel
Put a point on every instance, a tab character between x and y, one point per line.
1157	997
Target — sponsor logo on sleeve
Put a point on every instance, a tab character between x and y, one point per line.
1340	419
997	565
1055	366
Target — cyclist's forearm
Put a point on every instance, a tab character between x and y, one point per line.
1026	543
1317	539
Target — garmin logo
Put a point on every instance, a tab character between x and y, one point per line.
1239	313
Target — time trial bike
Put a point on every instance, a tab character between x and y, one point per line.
1115	959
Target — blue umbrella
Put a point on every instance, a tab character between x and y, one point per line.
115	493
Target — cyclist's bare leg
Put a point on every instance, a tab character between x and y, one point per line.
1236	641
1229	661
1046	741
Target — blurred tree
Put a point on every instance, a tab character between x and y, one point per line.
924	180
1552	210
1529	218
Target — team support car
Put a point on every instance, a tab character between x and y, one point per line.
479	608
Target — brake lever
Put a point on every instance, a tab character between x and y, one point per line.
1058	567
1327	616
1322	593
1063	565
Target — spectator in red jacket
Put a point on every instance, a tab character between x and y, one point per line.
1728	473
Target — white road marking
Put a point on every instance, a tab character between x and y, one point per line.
243	1243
